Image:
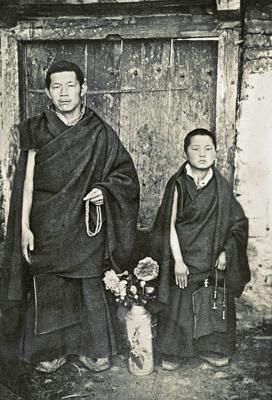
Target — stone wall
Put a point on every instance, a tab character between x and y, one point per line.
253	184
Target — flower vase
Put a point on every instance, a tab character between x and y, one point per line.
138	322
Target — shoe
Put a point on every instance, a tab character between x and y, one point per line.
98	365
169	365
50	366
215	361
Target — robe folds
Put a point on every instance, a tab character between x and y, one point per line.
231	235
208	221
69	162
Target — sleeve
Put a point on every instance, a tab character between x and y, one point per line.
27	136
180	207
237	268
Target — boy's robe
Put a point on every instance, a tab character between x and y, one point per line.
74	160
196	223
231	235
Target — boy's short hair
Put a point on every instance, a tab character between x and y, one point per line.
198	132
61	66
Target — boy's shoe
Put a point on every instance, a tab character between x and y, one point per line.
98	365
50	366
170	365
215	361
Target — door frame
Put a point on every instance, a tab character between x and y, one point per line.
182	27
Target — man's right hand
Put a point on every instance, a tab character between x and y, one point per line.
181	274
27	243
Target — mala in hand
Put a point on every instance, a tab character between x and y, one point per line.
98	219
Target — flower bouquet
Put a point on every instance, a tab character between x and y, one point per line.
133	289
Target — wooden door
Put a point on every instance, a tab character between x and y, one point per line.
152	91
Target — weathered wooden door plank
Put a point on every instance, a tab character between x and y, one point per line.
226	102
144	115
195	70
104	80
126	27
153	125
94	92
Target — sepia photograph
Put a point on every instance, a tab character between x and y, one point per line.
135	199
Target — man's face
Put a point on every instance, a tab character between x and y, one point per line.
201	152
65	91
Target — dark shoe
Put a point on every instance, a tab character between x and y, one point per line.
98	365
50	366
215	361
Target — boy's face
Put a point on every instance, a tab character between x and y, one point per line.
201	152
65	91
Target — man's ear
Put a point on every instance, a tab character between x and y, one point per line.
48	93
83	89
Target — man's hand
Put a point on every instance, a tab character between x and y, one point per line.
27	243
181	274
95	196
221	261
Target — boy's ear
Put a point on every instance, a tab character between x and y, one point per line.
48	93
184	155
83	89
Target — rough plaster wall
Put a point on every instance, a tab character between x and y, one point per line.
2	211
254	162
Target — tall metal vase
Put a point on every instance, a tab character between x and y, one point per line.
139	332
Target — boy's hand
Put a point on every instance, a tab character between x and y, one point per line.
27	243
95	196
181	274
221	261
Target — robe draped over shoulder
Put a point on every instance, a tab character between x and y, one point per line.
231	235
69	162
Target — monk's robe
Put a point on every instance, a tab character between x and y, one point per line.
209	221
65	311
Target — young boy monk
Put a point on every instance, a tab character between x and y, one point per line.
200	227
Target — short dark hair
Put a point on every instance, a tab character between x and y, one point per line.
61	66
198	132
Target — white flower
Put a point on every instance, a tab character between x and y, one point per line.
142	283
147	269
149	289
123	288
133	289
111	281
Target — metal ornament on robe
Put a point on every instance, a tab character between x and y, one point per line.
139	331
210	308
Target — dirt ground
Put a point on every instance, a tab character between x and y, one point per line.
248	377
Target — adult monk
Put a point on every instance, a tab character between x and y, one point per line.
200	232
73	212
